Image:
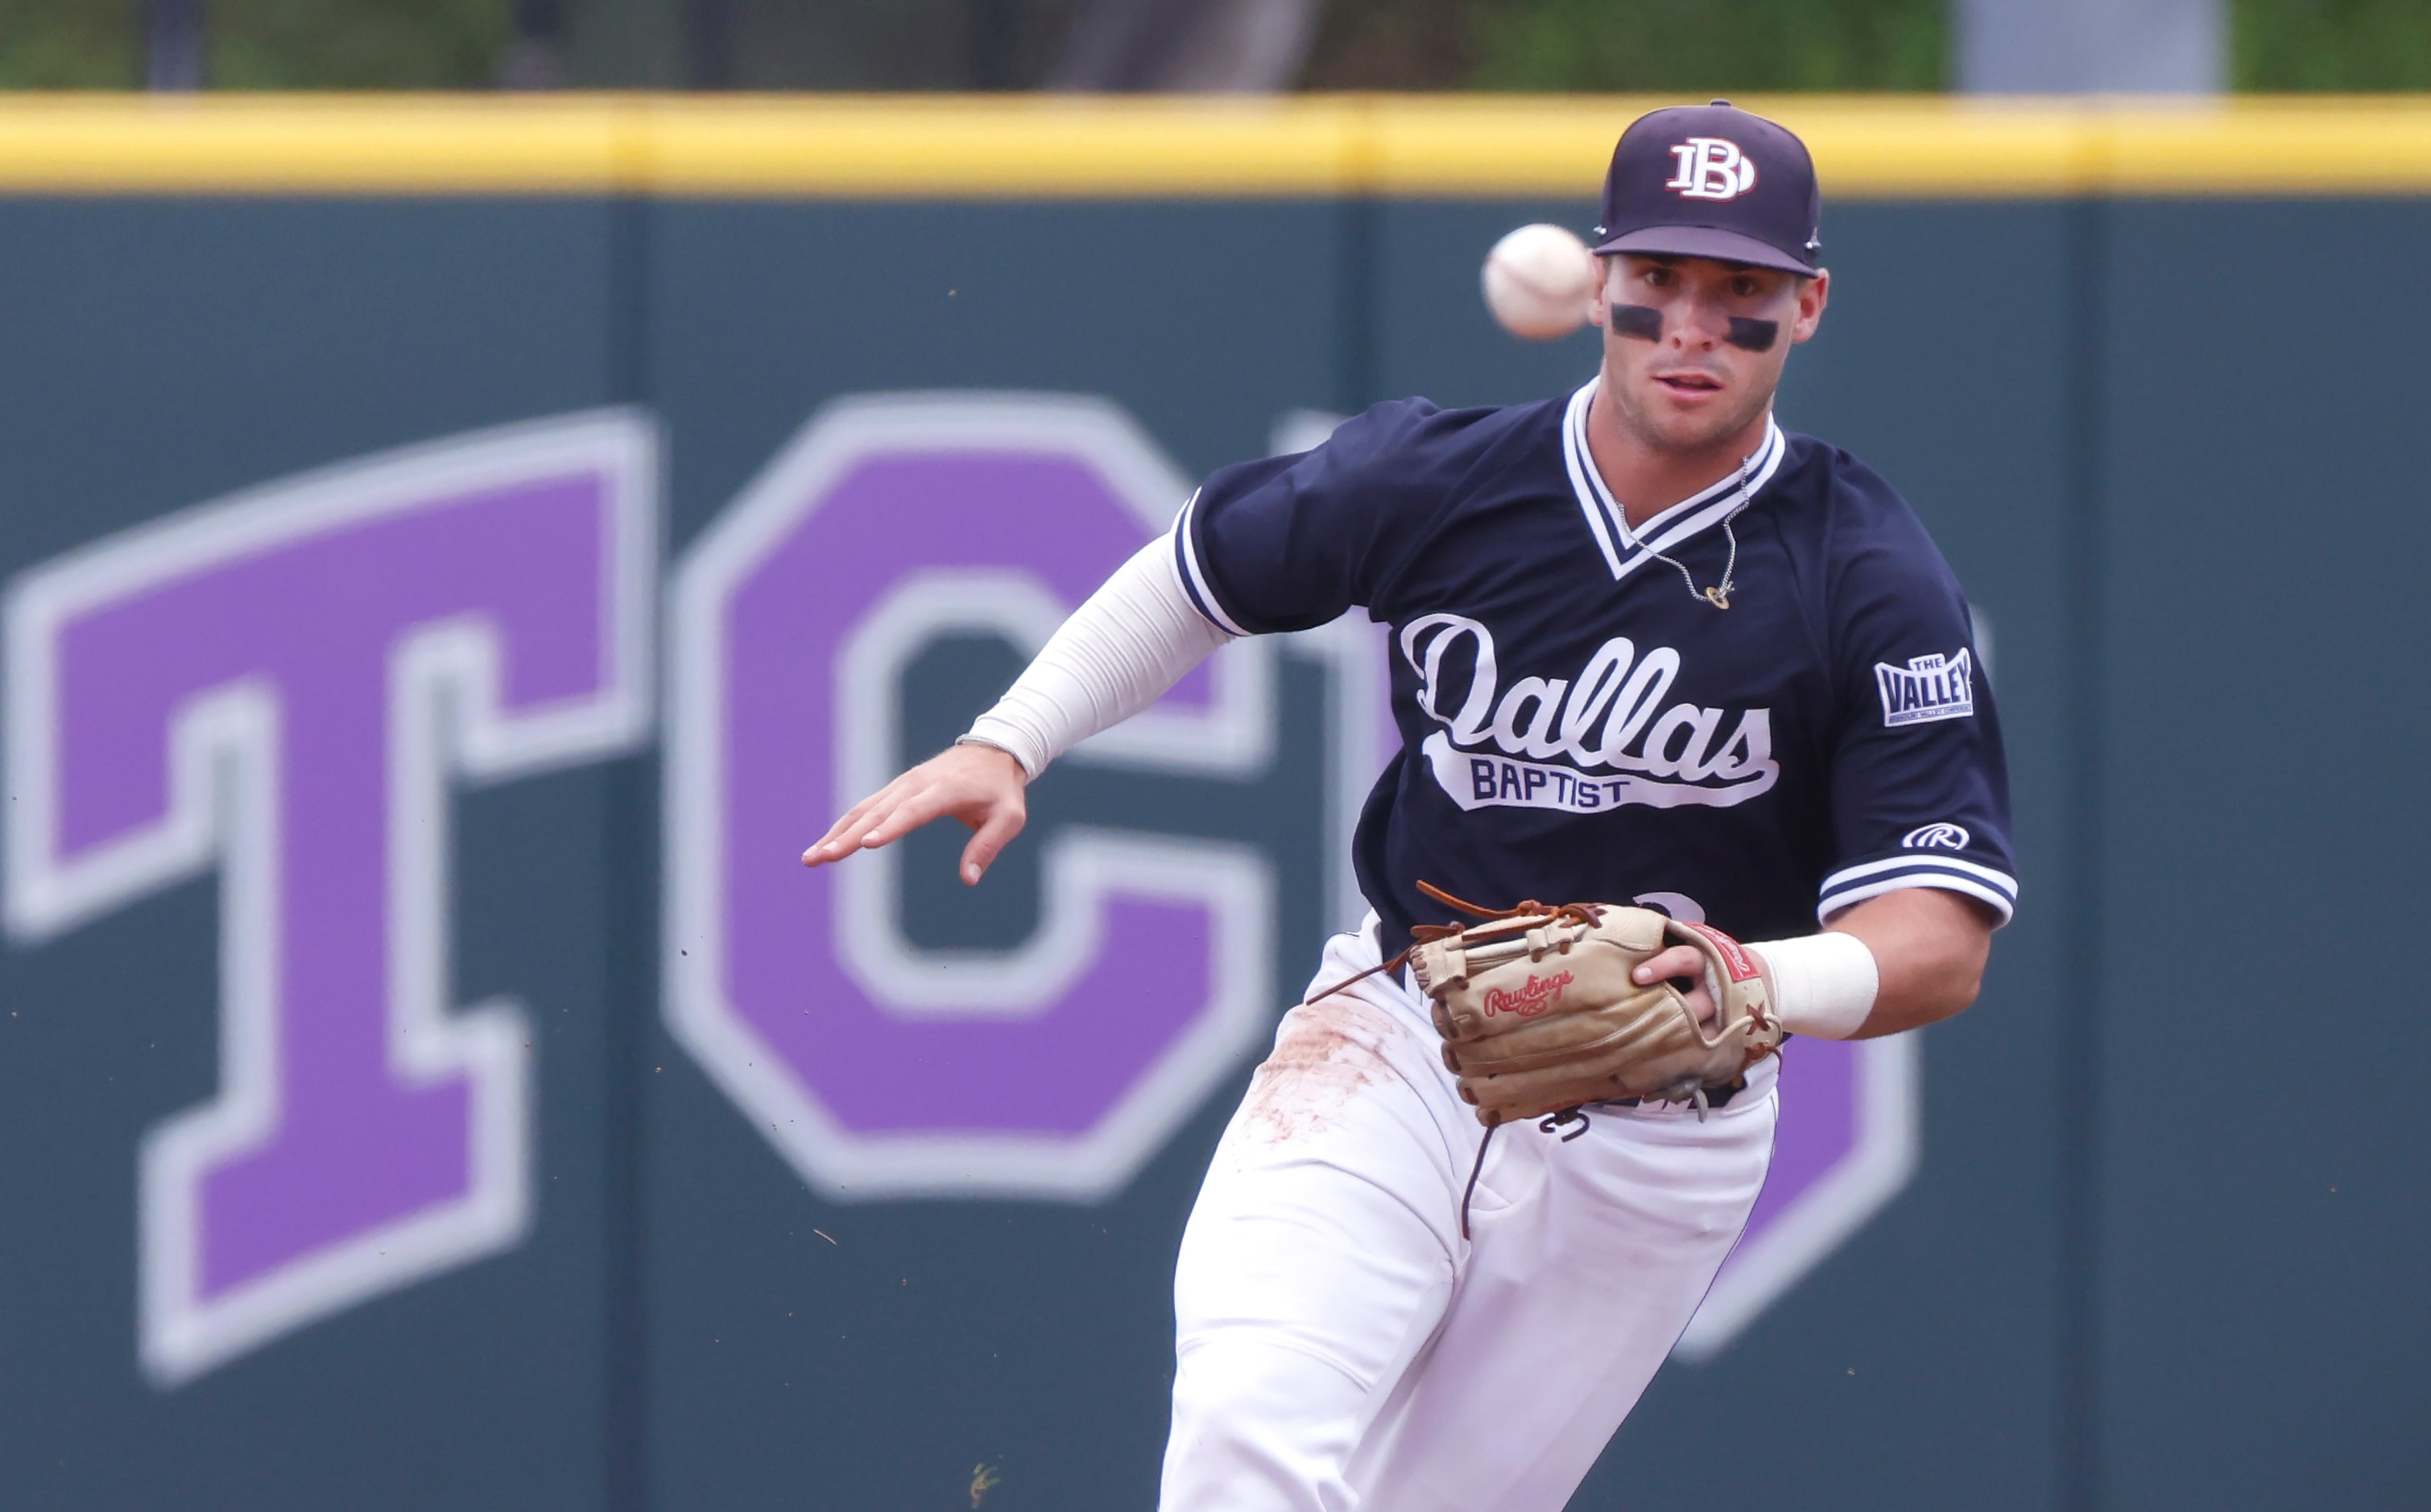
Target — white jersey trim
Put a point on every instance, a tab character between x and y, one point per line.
1194	578
1855	884
1832	903
1874	868
1626	551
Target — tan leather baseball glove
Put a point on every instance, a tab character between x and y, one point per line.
1539	1016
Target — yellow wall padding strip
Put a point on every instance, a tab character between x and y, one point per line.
878	147
1046	146
216	145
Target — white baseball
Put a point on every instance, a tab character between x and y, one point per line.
1538	282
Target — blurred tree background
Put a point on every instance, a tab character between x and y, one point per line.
1679	46
356	44
70	44
1694	45
1663	45
2332	44
327	45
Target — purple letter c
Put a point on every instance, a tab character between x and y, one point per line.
876	1068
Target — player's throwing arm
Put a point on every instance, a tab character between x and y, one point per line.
1687	678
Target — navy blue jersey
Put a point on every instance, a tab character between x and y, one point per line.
1578	724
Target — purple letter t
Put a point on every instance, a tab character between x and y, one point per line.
283	684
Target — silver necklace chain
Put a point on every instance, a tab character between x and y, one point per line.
1719	594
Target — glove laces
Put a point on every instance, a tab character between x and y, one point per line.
1423	934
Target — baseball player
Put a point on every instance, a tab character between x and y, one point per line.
1651	653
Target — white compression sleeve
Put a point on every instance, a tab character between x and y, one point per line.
1823	984
1117	654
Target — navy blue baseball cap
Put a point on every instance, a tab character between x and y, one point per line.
1713	182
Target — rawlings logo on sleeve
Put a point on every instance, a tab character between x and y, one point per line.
1941	836
1928	688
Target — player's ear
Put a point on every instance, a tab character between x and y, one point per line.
1812	294
1601	299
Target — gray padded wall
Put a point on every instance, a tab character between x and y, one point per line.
2264	1202
162	353
2157	1252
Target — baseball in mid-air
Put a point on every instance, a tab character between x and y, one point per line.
1539	282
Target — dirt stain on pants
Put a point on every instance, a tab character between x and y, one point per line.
1327	1052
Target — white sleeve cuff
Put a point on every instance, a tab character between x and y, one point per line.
1823	984
1851	885
1118	653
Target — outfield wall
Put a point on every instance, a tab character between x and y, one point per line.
428	1081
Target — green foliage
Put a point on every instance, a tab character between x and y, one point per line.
1392	44
357	44
274	44
1683	47
68	44
1695	46
1721	46
2357	45
1664	46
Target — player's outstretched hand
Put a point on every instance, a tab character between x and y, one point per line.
978	784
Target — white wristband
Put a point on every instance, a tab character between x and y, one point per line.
1823	984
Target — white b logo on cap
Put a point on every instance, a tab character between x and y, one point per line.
1711	168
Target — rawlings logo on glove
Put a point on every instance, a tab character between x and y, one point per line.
1532	998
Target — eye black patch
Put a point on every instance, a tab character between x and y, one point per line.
1641	321
1753	335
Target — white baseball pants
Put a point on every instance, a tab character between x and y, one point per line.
1339	1345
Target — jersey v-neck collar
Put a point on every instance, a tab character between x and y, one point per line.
1626	551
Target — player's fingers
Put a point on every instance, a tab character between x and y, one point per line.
994	835
1679	961
908	811
831	845
1701	1003
838	842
